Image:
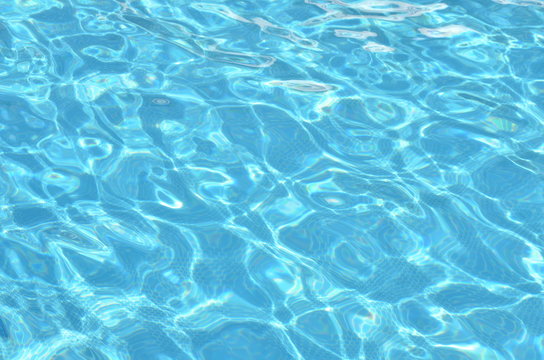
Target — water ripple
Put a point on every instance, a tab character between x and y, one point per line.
317	179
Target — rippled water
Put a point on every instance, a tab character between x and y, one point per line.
271	180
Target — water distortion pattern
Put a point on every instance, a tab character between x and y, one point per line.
271	180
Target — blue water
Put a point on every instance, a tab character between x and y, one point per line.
271	180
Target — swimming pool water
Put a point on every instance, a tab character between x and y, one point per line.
271	180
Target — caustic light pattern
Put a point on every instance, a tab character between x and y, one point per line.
271	180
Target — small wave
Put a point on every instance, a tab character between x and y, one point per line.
301	85
375	47
445	31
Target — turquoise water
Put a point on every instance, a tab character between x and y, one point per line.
271	180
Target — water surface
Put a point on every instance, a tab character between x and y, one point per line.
271	180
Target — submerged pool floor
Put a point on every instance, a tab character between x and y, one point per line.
271	180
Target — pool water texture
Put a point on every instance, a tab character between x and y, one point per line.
271	180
